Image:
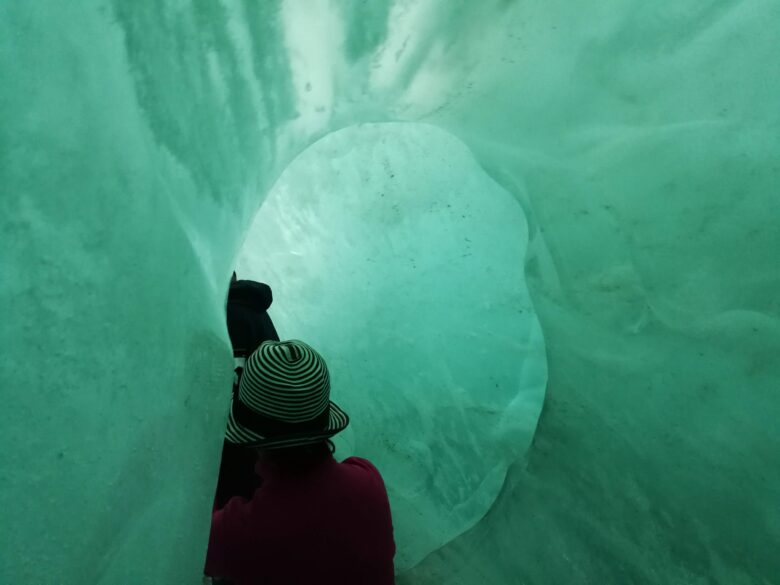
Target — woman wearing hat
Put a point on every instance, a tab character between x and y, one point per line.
314	520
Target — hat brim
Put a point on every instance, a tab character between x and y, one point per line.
238	434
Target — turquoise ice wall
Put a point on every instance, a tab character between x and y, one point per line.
639	140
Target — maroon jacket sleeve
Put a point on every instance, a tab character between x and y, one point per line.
382	539
229	529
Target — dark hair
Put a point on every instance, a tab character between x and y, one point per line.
301	456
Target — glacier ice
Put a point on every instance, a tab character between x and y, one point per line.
640	144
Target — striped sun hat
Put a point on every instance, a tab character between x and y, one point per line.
283	399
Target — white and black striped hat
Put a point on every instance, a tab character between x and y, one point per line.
283	399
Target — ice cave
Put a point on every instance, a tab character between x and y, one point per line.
538	241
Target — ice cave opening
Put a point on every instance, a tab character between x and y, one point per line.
369	228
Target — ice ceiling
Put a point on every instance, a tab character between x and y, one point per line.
537	240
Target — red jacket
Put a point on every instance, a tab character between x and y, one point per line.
328	524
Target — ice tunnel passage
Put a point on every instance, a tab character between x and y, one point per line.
371	228
641	140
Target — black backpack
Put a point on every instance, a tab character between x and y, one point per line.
248	322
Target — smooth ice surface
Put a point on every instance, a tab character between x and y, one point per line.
392	251
138	139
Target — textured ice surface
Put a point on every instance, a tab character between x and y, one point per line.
392	251
641	140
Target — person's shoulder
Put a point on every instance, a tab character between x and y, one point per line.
367	489
365	467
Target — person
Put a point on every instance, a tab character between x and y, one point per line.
313	520
248	325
